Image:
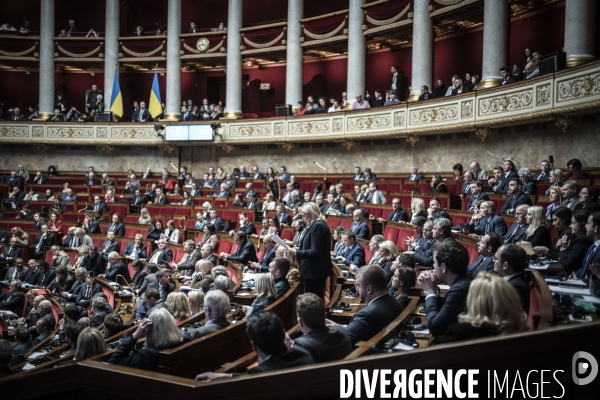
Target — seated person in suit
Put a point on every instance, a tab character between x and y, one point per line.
517	197
487	221
359	226
43	328
136	249
162	256
216	307
353	255
151	298
477	194
244	224
487	247
17	271
98	311
397	215
381	308
528	185
62	282
90	225
279	269
223	192
435	210
42	239
46	275
24	343
486	316
14	300
324	343
269	255
116	226
450	262
404	279
510	262
245	252
78	284
113	324
71	316
421	248
116	270
414	174
267	337
517	230
160	332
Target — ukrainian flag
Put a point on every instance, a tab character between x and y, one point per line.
116	100
155	108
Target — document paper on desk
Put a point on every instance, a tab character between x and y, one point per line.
569	290
280	242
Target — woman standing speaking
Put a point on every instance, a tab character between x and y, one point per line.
313	255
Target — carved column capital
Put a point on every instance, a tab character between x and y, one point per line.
348	144
563	122
483	133
228	148
412	140
287	146
169	148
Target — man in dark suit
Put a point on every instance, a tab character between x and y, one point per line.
216	307
488	220
245	252
468	177
90	225
592	257
92	98
487	247
353	255
218	222
206	252
43	327
506	76
281	215
116	270
516	232
435	210
116	226
14	180
109	245
93	261
46	275
136	249
188	115
194	191
381	308
459	88
151	270
223	192
510	263
87	292
192	28
135	112
502	175
98	205
544	174
17	116
62	282
359	226
42	239
162	256
23	344
137	201
191	256
279	268
331	205
57	116
256	174
422	247
33	273
10	253
17	271
476	195
516	199
398	214
244	225
14	300
40	179
450	264
268	256
322	342
79	284
163	283
569	195
378	100
143	115
91	180
254	204
98	311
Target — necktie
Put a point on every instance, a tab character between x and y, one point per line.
487	227
104	246
155	257
136	254
39	245
14	275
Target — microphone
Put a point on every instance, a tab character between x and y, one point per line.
320	166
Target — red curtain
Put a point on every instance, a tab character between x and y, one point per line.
387	10
325	25
264	35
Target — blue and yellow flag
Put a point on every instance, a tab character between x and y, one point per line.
116	99
155	108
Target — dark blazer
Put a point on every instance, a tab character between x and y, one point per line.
41	180
98	318
146	358
284	218
282	285
91	182
13	302
168	289
245	253
266	260
515	201
464	90
572	258
508	80
44	280
503	183
397	215
361	229
220	224
188	262
148	280
120	268
465	331
294	357
494	224
481	264
32	277
528	188
163	259
424	253
137	202
258	175
41	337
63	285
373	318
466	188
97	264
355	255
540	237
474	199
441	315
440	214
592	256
49	241
143	115
327	207
249	228
18	349
541	176
522	286
82	299
75	289
591	207
223	193
516	233
416	177
93	228
108	247
21	274
10	253
118	228
326	343
208	328
313	255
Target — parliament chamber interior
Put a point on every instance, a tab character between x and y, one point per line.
250	199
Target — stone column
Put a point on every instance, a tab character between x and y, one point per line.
357	52
495	42
47	60
294	56
173	110
422	50
234	61
111	50
580	28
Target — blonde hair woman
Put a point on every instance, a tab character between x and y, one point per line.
90	343
493	308
145	218
178	302
537	234
555	197
417	209
196	302
269	203
265	294
22	237
313	254
294	272
203	277
389	253
83	250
